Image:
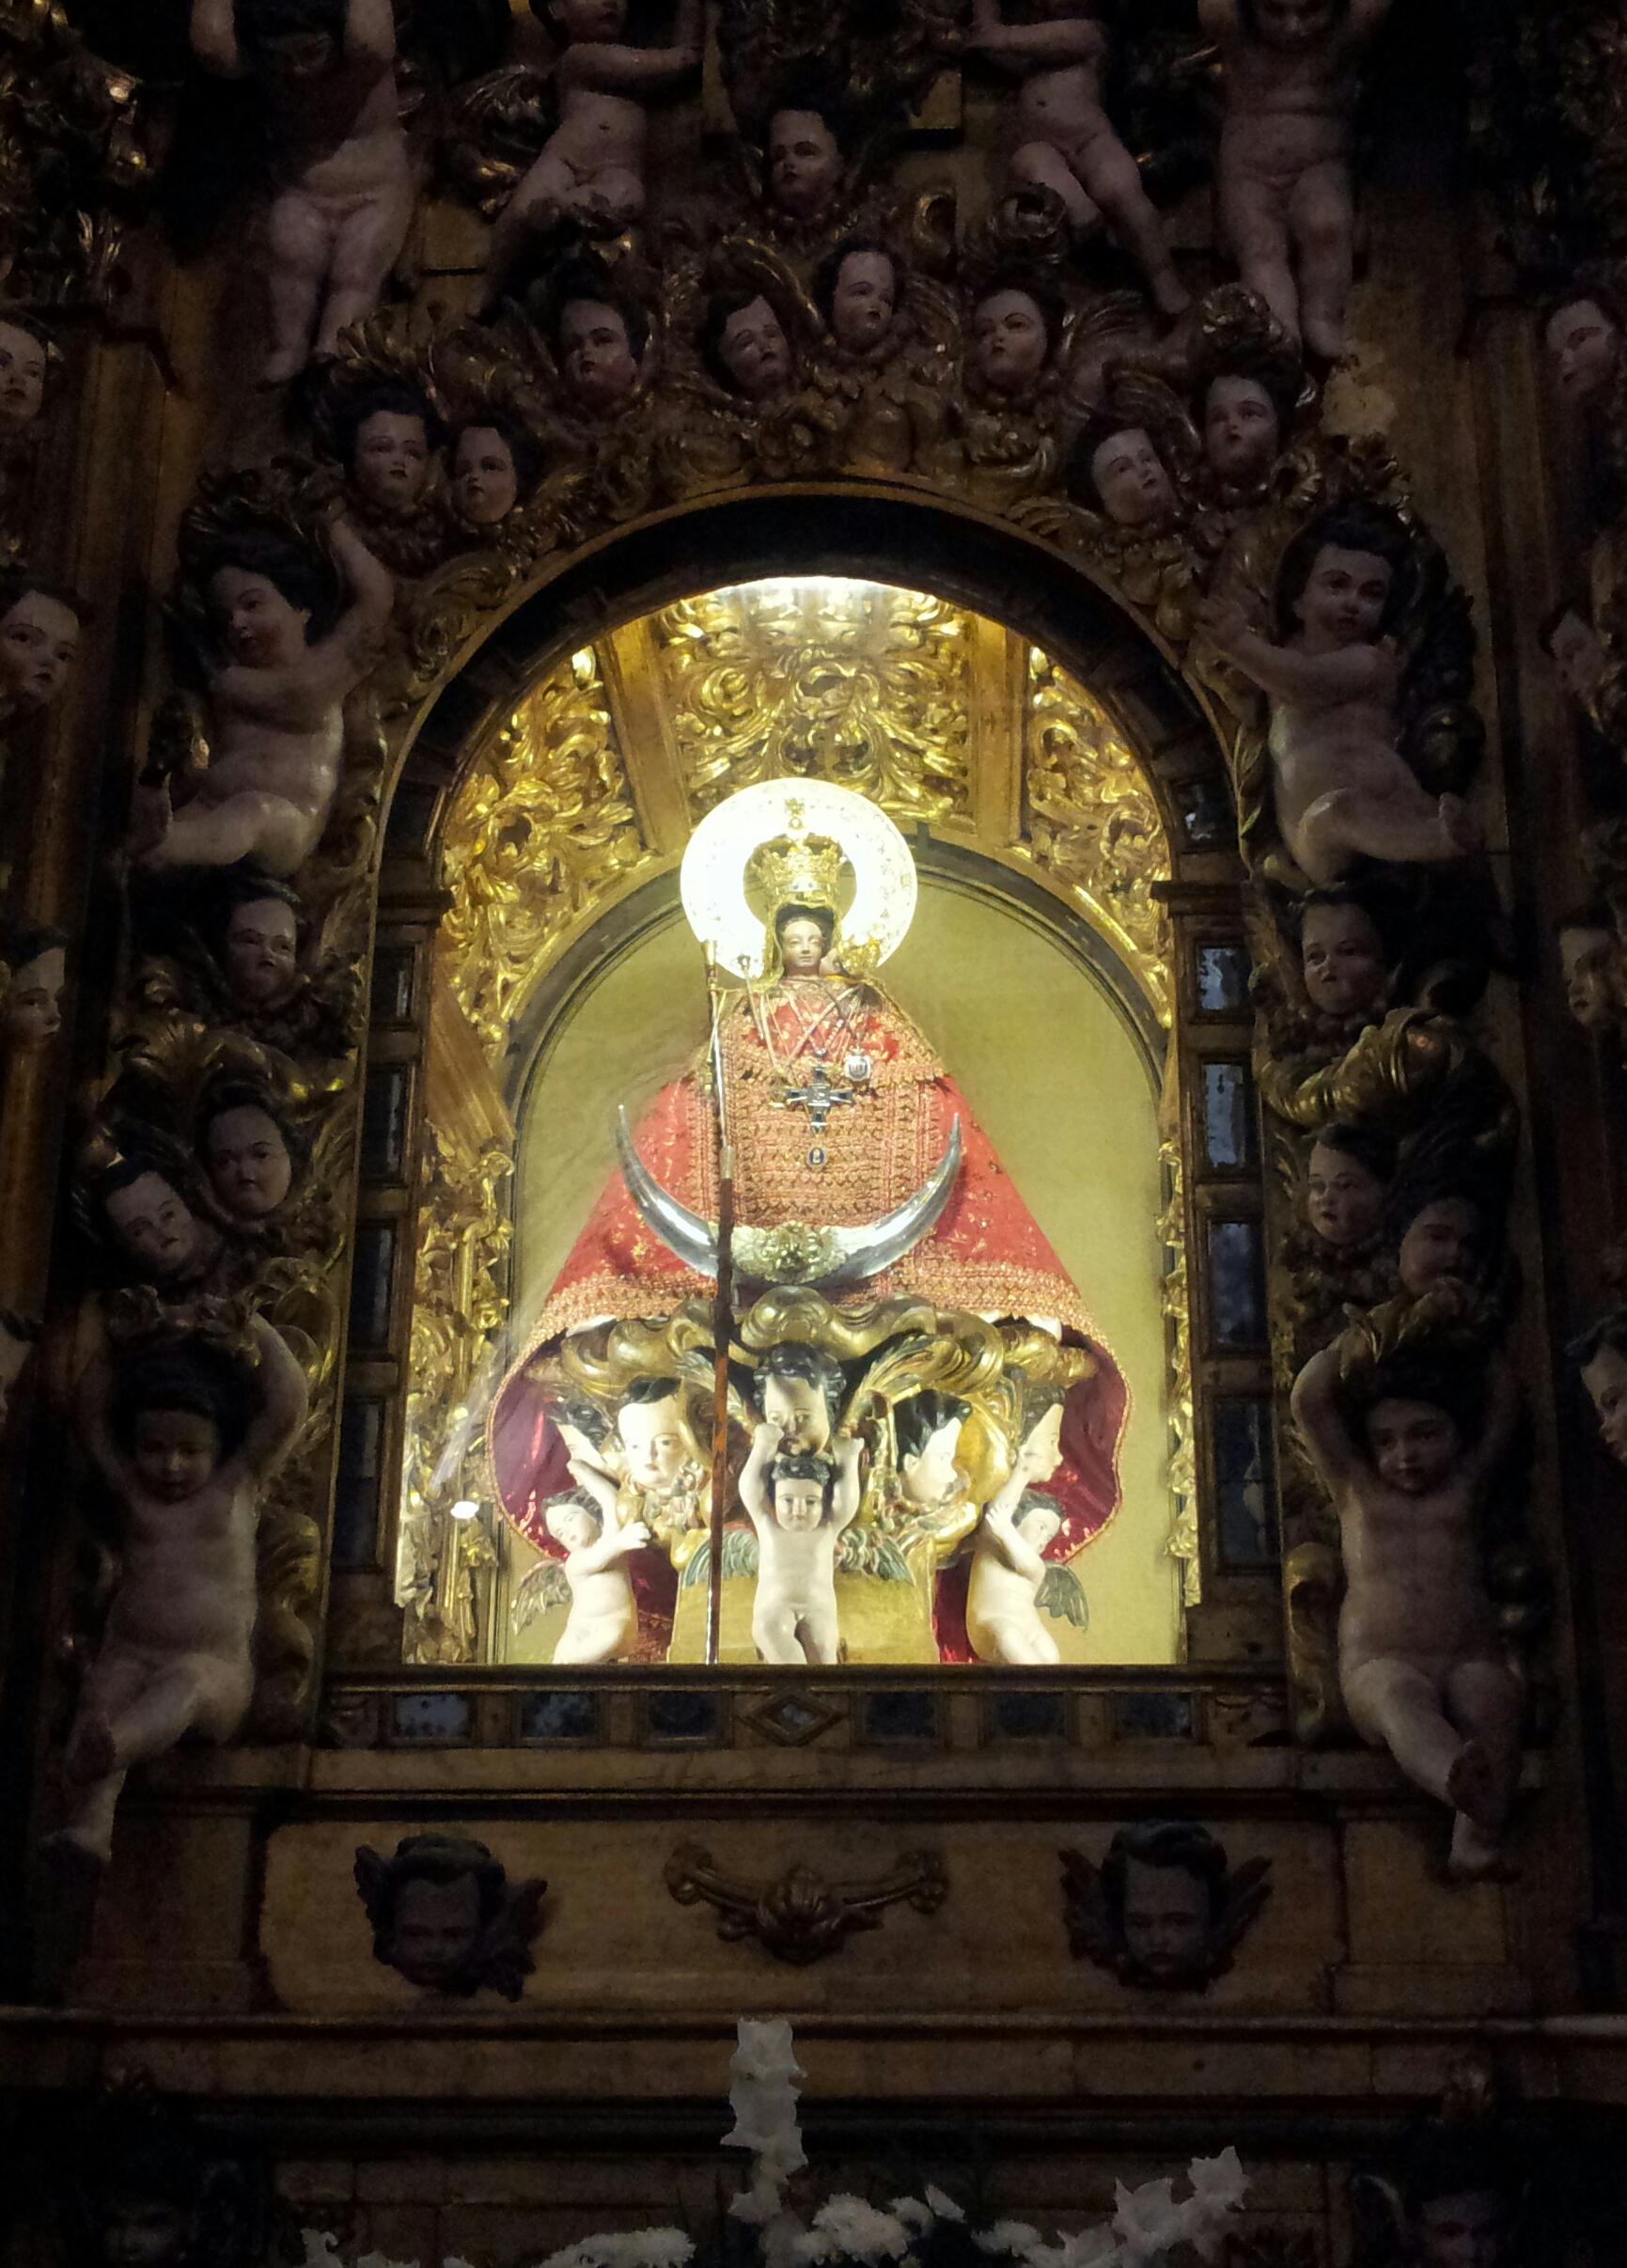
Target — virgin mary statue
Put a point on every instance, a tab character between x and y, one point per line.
859	1165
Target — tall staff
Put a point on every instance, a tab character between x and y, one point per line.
722	1312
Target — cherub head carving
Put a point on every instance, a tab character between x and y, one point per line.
1581	333
495	465
1347	1177
1345	580
747	346
267	598
32	970
1016	327
245	1150
799	1387
803	148
600	337
259	942
1119	467
445	1916
149	1222
1601	1357
1243	422
1343	958
293	41
654	1441
387	439
1591	962
857	289
1444	1231
926	1428
24	362
39	622
1164	1909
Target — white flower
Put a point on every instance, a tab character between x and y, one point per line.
1219	2185
1087	2249
766	2050
944	2207
915	2218
1148	2219
321	2248
379	2260
846	2224
1006	2236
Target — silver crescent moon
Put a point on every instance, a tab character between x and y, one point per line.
821	1258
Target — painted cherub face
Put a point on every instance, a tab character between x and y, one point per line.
154	1224
22	361
174	1452
929	1474
596	353
485	486
804	164
31	1012
1583	345
39	641
799	1505
1414	1444
754	350
1344	1201
436	1926
1344	599
803	946
652	1438
1591	965
1009	341
1579	655
1242	432
248	1162
261	627
1165	1918
1442	1244
390	462
572	1527
863	301
592	19
1470	2230
1039	1525
1294	23
1342	958
299	57
1606	1379
260	952
798	1407
1132	482
1041	1449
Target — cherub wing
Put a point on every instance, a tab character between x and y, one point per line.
545	1587
740	1558
1062	1594
495	128
864	1550
1085	1908
1246	1891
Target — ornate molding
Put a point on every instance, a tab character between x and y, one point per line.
801	1916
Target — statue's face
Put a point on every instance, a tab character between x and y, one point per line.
1041	1449
263	629
31	1013
1342	956
1132	482
391	460
1466	2231
1242	432
21	378
596	353
1442	1244
1294	23
754	350
803	947
485	486
1414	1444
174	1452
650	1434
248	1162
144	2233
1579	657
572	1527
1593	977
436	1926
1582	346
39	640
592	19
298	57
799	1505
1165	1918
260	952
1344	598
862	304
804	164
929	1474
1009	341
1343	1202
798	1408
1041	1524
1606	1379
155	1226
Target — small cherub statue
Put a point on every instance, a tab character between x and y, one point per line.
1010	1579
1066	142
1418	1656
1443	1232
591	168
495	466
344	199
24	359
445	1915
276	698
1347	1178
1591	963
157	1235
799	1502
1118	465
244	1152
39	641
1583	336
1164	1909
746	348
1601	1357
1343	960
602	1624
186	1443
1291	72
32	970
1343	789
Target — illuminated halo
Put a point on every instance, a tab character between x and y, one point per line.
712	876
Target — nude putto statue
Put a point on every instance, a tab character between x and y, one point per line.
1065	143
344	194
1291	73
1407	1461
602	1624
186	1443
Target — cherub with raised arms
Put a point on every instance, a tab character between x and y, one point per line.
1343	788
277	698
591	168
1420	1663
344	197
186	1443
1066	142
1293	75
799	1504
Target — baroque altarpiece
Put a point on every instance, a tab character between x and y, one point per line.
814	1187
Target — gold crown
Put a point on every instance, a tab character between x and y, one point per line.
801	870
